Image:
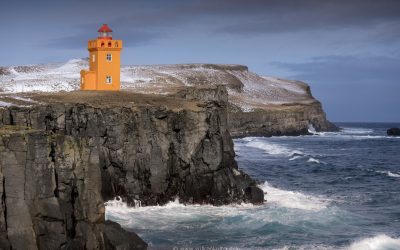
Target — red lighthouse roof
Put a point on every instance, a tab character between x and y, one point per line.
104	28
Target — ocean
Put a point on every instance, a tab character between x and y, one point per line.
332	190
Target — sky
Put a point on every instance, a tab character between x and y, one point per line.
348	51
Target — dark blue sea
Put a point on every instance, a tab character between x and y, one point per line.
325	191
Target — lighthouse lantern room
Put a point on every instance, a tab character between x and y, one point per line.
104	62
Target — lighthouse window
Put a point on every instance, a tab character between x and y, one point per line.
108	79
93	58
109	57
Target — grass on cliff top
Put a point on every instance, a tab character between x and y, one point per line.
115	98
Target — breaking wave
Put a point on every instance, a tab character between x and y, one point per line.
355	134
272	148
390	174
311	129
356	130
284	211
379	242
276	149
293	199
277	197
295	157
313	160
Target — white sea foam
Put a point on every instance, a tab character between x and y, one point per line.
176	218
269	148
293	199
311	129
275	196
175	214
347	130
294	153
308	247
272	148
393	174
295	157
283	208
313	160
353	136
390	174
379	242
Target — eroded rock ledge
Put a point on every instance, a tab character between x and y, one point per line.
279	120
62	158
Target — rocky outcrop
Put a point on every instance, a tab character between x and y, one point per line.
51	194
294	119
393	132
62	158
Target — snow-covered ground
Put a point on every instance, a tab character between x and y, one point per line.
246	89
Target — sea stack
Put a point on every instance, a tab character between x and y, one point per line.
393	132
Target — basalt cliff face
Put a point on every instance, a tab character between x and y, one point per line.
66	154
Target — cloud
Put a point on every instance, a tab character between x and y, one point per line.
145	21
352	88
269	17
131	38
344	69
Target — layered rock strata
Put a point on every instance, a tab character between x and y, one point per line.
278	120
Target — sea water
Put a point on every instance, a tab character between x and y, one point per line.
324	191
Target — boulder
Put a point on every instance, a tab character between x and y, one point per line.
117	238
254	195
393	132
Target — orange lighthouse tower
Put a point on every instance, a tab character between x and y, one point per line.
104	62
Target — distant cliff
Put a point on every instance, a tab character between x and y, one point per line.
65	155
295	119
258	105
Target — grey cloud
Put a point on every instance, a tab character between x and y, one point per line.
353	88
291	16
148	21
354	69
131	38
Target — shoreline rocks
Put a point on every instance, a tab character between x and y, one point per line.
393	132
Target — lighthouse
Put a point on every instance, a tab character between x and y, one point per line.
104	62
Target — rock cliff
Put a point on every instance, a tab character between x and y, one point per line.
277	120
66	154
